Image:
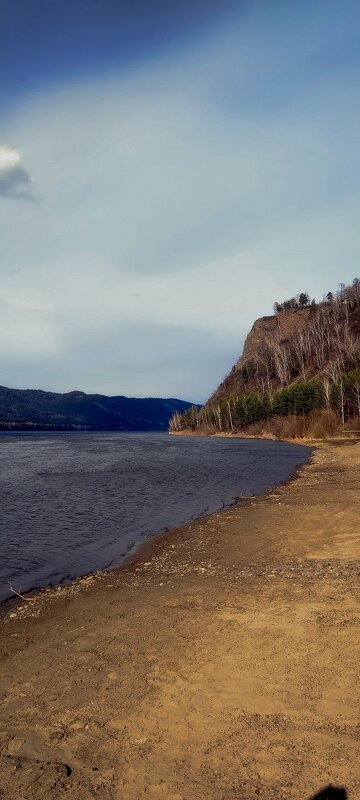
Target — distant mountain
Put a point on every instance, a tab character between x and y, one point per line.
31	409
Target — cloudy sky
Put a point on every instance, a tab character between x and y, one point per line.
167	171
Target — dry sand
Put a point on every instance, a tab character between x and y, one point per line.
222	664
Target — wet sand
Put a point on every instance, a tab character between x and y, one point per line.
222	664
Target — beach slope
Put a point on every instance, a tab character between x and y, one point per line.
222	664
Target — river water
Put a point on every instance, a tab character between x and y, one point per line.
74	503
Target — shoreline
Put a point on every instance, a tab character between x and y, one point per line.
307	441
220	662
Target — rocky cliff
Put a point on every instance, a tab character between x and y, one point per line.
318	341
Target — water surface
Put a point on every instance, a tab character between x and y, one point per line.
75	503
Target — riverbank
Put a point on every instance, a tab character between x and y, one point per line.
222	664
342	438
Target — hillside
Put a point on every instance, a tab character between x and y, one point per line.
30	408
295	344
305	357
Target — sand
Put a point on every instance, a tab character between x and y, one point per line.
222	664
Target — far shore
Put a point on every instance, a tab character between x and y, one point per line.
221	663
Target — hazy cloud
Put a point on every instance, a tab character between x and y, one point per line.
180	201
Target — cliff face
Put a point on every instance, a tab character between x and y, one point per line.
296	344
268	330
265	333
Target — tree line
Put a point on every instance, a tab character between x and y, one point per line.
302	300
234	414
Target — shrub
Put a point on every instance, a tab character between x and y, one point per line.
321	424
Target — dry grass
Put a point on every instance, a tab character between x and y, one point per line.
322	424
317	425
352	425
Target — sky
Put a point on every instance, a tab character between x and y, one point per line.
167	171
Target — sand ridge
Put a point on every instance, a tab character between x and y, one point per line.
222	664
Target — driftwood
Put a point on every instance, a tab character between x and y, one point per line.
28	599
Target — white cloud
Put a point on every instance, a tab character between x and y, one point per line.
8	158
15	180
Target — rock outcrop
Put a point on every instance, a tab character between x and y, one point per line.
295	344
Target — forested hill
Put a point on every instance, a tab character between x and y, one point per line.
302	341
304	358
35	409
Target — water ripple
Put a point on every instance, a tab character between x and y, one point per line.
74	503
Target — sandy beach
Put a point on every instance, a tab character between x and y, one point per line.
221	664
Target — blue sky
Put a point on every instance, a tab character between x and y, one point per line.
46	41
167	171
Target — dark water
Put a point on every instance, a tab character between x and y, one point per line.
74	503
